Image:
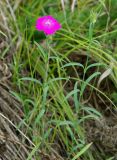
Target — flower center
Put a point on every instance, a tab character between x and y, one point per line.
48	23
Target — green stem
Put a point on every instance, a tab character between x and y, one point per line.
47	60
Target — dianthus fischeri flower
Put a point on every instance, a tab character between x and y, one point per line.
48	24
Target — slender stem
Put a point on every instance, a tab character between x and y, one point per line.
47	61
45	87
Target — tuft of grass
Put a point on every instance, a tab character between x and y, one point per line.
55	115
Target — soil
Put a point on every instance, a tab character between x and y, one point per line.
103	133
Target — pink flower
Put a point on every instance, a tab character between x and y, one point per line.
47	24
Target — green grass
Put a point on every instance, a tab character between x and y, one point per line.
41	73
